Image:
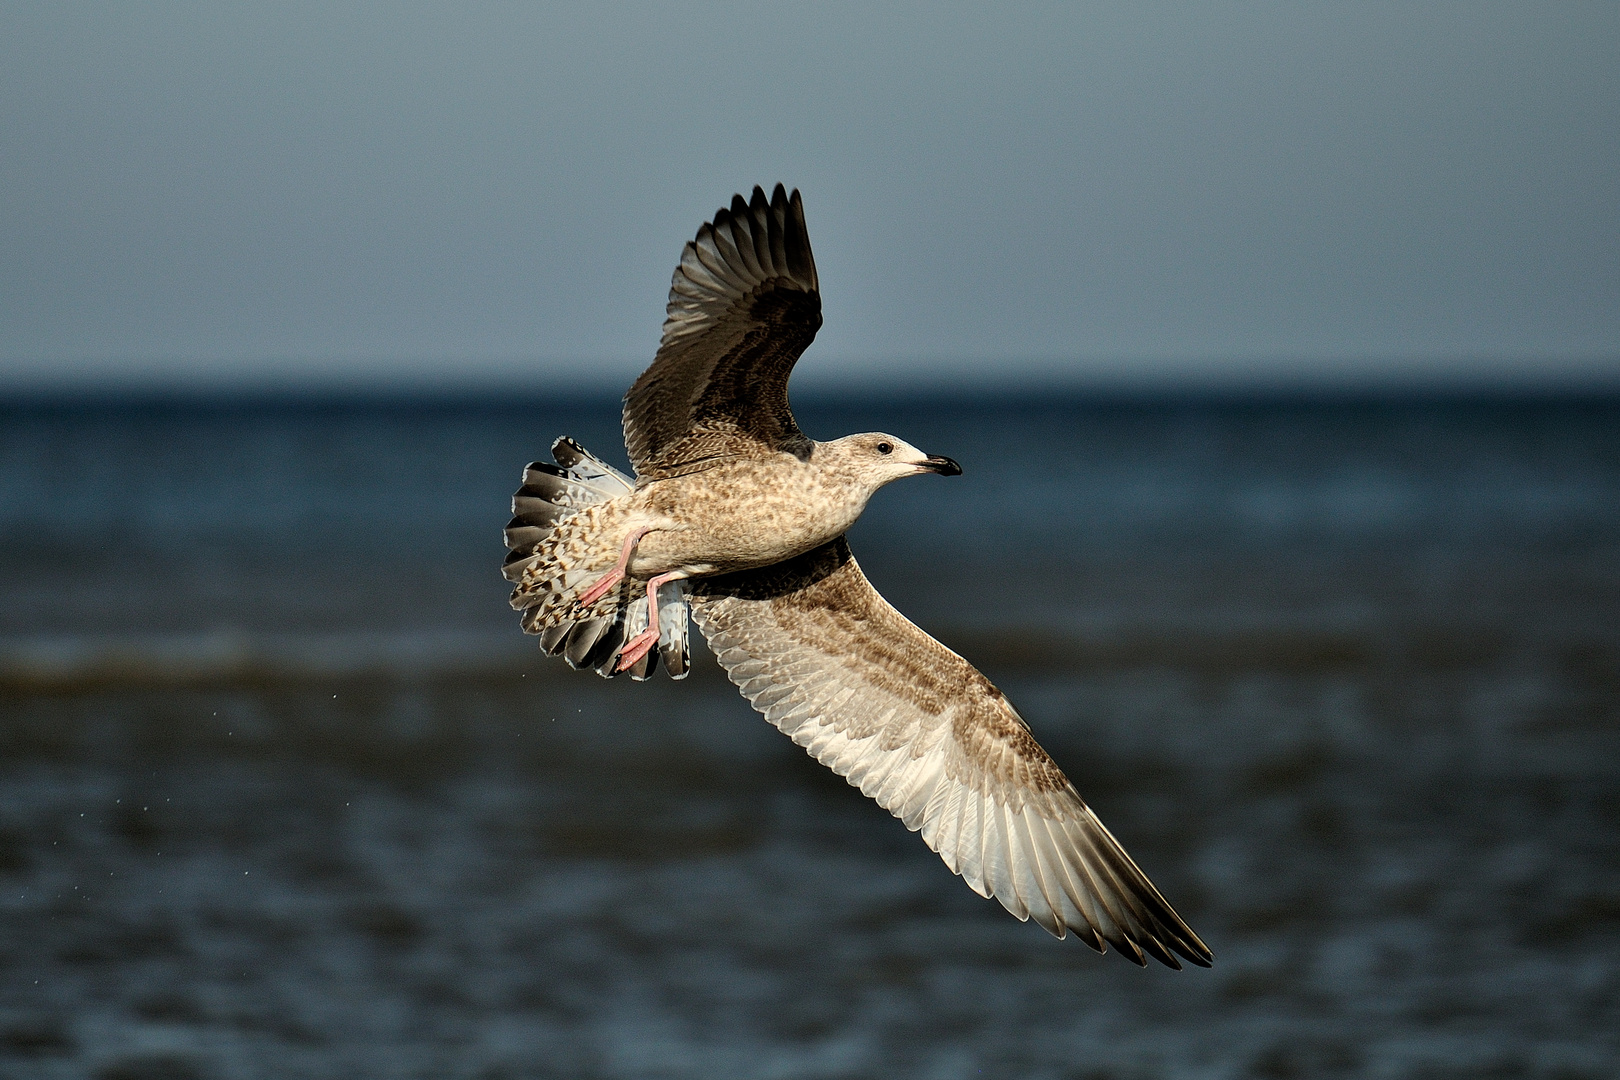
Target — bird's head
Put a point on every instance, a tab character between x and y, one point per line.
875	459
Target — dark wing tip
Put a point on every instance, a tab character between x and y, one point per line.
775	223
801	261
1155	948
1192	949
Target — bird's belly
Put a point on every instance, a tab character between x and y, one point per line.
716	537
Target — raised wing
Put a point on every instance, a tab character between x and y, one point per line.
743	305
832	664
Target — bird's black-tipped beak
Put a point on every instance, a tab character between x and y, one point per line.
942	465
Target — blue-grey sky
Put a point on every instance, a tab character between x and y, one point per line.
225	192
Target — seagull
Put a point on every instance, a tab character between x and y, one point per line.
735	520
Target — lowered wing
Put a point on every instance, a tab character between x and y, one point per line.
816	649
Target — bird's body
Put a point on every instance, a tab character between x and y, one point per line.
737	519
798	504
699	525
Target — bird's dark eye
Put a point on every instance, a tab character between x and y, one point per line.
884	448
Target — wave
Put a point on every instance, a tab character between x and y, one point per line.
72	662
65	661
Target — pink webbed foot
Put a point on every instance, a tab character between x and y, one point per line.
636	648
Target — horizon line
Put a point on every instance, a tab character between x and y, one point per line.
1007	395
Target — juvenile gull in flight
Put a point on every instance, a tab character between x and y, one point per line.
737	518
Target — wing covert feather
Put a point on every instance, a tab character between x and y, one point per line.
828	661
744	303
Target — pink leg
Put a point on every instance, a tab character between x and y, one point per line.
616	575
637	647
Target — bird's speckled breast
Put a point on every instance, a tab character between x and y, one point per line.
742	514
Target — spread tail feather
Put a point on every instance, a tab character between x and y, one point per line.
545	587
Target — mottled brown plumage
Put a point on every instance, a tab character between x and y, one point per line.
743	305
927	736
738	518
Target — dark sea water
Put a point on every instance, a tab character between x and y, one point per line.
285	793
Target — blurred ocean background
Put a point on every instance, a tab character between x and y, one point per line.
1280	344
284	792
